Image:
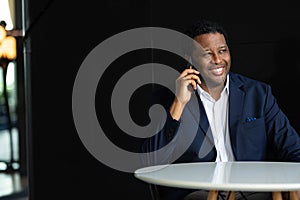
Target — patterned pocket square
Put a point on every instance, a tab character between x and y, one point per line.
250	119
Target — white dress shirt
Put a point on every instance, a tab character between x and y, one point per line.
217	114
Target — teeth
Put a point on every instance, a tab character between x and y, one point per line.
218	70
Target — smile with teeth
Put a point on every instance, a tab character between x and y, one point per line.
218	71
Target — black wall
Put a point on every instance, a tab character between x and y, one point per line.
263	40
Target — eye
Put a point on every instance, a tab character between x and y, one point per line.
223	50
207	54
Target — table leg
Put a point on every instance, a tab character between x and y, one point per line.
213	195
293	195
230	195
276	195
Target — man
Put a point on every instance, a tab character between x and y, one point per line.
239	119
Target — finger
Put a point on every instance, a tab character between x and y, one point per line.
191	71
186	82
192	83
194	77
188	71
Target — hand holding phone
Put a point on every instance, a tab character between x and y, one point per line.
186	84
190	65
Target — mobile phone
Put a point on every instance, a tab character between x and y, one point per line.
189	64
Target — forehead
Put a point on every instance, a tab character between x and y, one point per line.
211	40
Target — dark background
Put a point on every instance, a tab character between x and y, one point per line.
264	41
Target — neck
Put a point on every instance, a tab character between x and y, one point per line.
215	92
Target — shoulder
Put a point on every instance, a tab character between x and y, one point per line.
246	82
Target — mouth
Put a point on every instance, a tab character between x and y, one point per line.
218	71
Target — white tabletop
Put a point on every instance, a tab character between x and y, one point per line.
233	176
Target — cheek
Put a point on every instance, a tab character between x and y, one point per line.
202	64
202	68
227	58
228	62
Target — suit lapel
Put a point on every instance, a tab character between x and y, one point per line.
236	104
204	135
202	121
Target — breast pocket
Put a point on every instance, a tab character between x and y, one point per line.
254	123
253	139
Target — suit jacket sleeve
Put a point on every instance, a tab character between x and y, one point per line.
284	140
270	136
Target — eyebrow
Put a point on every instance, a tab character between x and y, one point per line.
224	46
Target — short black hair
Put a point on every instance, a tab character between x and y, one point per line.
202	26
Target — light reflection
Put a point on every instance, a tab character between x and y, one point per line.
5	14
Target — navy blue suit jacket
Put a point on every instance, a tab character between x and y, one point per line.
259	130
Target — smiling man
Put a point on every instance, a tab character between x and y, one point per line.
240	119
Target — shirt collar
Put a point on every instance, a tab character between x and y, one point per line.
203	92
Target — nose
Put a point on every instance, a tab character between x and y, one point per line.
216	58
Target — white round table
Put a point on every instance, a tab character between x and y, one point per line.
227	176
